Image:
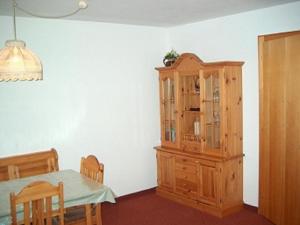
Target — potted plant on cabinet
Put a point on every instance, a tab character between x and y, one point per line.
170	57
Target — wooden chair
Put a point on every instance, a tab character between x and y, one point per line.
37	196
93	169
26	165
90	167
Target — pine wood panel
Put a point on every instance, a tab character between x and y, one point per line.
232	185
165	170
208	184
233	131
279	128
292	172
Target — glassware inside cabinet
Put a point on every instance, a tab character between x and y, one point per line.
191	127
169	110
212	109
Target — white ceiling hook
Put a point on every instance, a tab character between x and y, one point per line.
82	4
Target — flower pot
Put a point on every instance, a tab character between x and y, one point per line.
169	62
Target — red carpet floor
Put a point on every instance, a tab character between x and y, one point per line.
149	209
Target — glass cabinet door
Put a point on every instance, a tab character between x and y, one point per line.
168	111
212	112
190	117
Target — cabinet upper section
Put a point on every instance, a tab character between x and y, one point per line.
201	106
189	61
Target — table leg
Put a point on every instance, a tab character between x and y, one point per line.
98	214
88	214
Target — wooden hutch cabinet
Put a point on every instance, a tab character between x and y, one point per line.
200	160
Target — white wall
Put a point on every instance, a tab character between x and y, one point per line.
235	38
99	96
100	91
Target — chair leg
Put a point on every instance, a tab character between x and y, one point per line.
98	214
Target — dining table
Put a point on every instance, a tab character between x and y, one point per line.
78	190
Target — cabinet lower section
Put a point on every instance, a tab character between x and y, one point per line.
212	185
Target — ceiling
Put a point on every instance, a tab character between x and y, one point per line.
162	13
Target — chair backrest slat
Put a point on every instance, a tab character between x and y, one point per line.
48	210
26	213
37	196
92	168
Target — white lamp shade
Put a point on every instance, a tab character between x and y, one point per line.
19	63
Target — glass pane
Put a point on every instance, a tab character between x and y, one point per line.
212	109
169	110
190	87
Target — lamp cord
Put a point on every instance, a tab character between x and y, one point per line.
15	26
45	17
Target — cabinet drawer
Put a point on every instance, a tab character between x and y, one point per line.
181	175
186	164
186	160
186	188
207	163
186	168
194	161
191	148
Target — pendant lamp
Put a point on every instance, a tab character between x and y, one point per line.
18	62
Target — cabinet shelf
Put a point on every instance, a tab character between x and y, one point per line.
191	93
172	100
192	111
213	123
191	137
211	101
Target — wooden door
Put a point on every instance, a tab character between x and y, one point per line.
208	184
279	181
165	170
